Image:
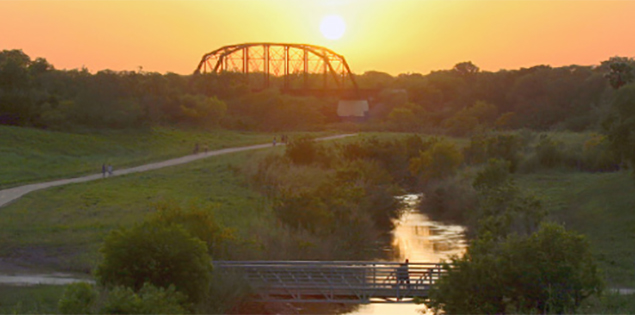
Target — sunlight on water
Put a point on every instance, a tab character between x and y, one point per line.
418	239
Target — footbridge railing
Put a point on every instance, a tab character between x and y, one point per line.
335	281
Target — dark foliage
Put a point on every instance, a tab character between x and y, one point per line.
461	101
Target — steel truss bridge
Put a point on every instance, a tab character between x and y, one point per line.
334	281
294	68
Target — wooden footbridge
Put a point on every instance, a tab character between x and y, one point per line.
334	281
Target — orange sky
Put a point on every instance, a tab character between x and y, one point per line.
394	36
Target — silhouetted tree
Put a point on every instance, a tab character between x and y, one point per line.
620	71
466	68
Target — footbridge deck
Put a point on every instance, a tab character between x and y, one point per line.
335	281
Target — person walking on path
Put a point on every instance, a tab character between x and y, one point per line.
403	276
103	170
9	195
109	170
274	141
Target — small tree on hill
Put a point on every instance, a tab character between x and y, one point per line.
620	71
466	68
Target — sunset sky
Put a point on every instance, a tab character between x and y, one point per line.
394	36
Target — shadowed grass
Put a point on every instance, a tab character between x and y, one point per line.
600	206
39	299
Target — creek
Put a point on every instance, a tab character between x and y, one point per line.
418	239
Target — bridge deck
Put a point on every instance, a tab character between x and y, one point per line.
335	282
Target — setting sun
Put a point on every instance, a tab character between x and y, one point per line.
333	27
398	36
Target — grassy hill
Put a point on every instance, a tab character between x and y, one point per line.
32	155
62	228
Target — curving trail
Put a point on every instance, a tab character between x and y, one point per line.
12	194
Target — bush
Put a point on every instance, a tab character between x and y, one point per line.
549	153
158	254
460	125
383	152
551	271
440	161
495	174
506	147
597	156
448	200
84	298
505	209
198	222
227	289
201	110
149	300
78	298
303	151
503	147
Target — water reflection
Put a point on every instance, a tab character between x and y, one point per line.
418	239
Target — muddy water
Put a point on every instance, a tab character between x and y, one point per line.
418	239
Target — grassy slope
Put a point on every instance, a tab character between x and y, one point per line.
32	155
600	206
63	227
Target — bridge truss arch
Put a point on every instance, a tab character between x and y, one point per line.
299	68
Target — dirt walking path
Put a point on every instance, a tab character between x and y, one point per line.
12	194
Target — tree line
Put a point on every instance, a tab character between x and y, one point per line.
458	101
34	94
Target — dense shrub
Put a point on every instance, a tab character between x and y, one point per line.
200	110
502	146
549	271
440	161
549	152
495	174
78	298
84	298
304	151
450	199
155	253
391	155
198	222
148	300
505	209
597	156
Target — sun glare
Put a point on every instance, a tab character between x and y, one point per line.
333	27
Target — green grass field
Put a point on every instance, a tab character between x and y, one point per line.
32	155
39	299
598	205
63	227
